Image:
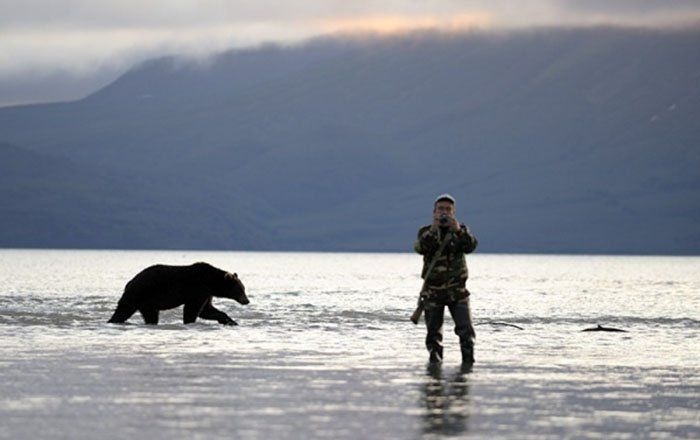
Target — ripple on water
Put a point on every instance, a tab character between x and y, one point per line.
337	358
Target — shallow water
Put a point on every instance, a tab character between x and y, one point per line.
325	350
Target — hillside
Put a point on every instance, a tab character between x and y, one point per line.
558	140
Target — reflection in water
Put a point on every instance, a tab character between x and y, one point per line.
446	401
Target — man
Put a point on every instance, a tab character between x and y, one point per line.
445	285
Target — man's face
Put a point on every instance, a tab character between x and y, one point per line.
444	207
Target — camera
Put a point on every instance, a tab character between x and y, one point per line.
444	218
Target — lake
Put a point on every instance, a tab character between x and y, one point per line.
325	350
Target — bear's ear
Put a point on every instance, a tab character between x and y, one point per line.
235	275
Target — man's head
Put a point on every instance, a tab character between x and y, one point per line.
444	204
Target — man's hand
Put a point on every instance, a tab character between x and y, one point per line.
436	222
454	224
451	223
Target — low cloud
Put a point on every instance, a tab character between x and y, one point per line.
629	7
40	39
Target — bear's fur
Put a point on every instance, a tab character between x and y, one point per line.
162	287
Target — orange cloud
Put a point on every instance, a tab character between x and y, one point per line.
389	24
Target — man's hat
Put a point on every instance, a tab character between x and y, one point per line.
445	197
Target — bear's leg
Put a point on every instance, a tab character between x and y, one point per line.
191	311
123	312
150	316
211	312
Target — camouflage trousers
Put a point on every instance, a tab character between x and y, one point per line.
444	294
434	318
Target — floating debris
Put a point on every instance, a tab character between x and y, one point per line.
500	323
600	328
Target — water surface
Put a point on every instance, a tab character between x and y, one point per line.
325	350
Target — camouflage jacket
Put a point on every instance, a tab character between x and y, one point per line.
450	270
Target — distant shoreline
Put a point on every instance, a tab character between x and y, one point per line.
343	251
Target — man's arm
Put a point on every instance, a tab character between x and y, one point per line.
466	241
427	242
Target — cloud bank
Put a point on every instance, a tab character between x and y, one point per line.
86	42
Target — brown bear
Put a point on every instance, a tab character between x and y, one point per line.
162	287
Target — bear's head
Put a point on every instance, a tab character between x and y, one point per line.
234	289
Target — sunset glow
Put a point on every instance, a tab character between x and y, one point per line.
390	24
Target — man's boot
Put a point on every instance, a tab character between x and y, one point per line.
435	356
467	354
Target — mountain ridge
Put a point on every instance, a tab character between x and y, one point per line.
341	145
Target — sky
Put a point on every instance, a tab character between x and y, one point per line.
54	50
